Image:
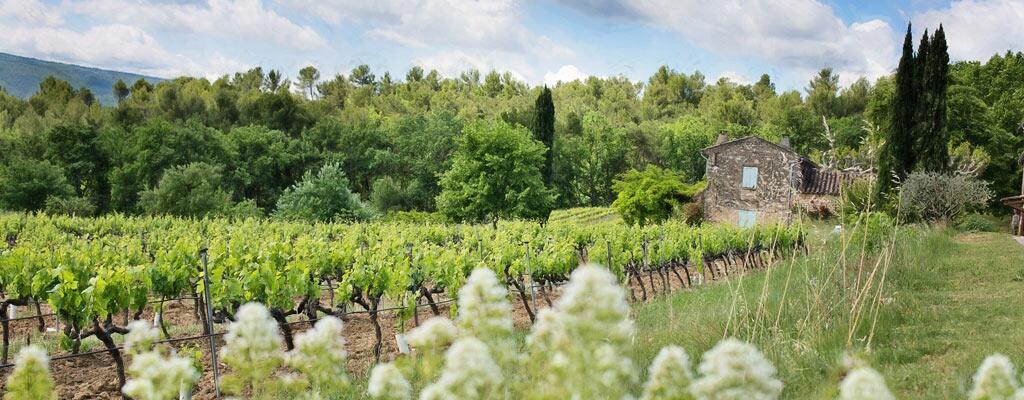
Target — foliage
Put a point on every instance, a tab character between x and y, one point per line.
932	196
670	376
856	198
26	185
191	190
995	379
252	349
864	383
734	370
320	356
324	196
387	383
975	222
495	175
79	206
649	196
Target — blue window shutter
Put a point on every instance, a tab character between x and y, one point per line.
747	218
750	177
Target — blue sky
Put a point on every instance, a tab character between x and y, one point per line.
540	41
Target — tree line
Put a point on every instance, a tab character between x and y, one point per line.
478	146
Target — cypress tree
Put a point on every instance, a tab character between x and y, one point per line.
934	137
544	129
897	157
922	109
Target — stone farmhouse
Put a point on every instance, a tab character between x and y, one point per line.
752	181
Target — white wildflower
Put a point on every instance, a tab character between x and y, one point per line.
432	335
320	355
154	377
141	337
252	348
31	378
583	343
864	383
486	314
484	309
670	376
388	383
734	370
469	373
994	380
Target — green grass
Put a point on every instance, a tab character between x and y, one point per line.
947	301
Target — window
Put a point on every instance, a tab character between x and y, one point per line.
747	218
750	177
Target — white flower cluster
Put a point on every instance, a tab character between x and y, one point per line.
670	376
734	370
31	378
484	309
432	335
388	383
995	380
155	377
469	373
864	383
320	355
253	345
141	337
582	344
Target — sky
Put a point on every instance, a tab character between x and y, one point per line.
539	41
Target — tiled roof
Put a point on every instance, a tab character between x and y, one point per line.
826	182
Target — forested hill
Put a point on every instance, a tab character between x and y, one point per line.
20	77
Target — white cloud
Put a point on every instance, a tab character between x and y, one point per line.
735	77
567	73
247	20
30	11
977	29
468	25
803	35
452	63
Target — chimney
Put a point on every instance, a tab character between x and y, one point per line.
722	138
784	142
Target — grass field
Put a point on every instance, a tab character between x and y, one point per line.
947	301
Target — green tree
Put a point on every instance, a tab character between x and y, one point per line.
323	196
821	93
308	78
681	143
266	161
897	157
544	129
933	136
121	91
81	152
648	196
26	184
495	174
191	190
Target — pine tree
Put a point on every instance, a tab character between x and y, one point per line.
544	129
933	139
897	158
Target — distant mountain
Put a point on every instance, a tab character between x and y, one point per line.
20	77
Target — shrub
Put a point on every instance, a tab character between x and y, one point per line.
25	185
70	205
324	196
734	370
856	198
693	213
649	196
191	190
975	222
934	197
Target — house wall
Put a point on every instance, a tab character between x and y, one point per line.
725	195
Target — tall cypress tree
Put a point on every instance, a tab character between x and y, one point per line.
897	158
933	139
922	109
544	129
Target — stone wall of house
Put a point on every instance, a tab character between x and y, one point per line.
725	195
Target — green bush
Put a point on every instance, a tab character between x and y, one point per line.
975	222
324	196
25	185
856	198
414	217
70	205
935	197
191	190
651	195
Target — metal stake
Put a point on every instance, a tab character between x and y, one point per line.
209	322
529	271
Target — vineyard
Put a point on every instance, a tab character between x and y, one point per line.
98	274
